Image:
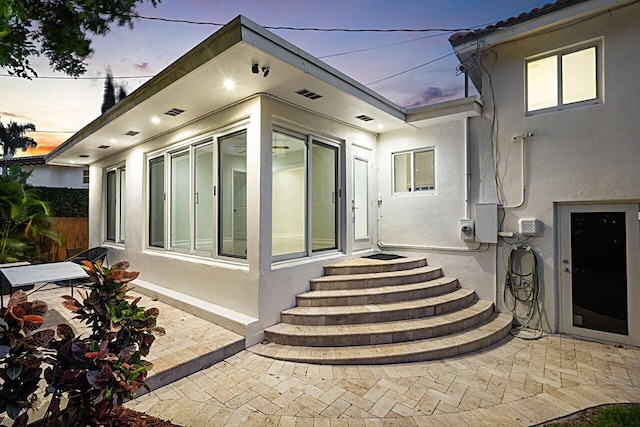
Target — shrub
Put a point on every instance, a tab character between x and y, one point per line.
22	353
106	368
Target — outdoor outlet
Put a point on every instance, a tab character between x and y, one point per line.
467	229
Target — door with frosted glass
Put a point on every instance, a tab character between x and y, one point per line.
360	200
324	196
598	270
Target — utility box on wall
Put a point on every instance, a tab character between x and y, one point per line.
487	223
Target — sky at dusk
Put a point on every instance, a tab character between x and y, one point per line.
60	107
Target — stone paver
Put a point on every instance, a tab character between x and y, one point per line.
513	383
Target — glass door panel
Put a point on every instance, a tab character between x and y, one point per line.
288	195
203	199
324	193
156	202
180	234
232	197
599	271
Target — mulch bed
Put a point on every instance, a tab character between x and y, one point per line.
123	417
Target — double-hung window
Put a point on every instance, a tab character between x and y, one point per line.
414	171
565	78
115	194
197	201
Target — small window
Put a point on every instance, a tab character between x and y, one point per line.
115	194
565	78
414	171
85	176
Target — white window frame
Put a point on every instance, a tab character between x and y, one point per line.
559	53
413	190
190	146
116	170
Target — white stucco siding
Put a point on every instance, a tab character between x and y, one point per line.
56	176
279	284
584	154
431	218
226	283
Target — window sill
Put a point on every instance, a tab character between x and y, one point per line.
114	245
197	259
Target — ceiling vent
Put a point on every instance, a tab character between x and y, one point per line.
174	112
132	133
84	156
104	147
308	94
364	118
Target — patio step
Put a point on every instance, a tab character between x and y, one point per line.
376	279
380	333
369	265
383	294
369	313
484	335
383	311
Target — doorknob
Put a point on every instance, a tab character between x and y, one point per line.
566	269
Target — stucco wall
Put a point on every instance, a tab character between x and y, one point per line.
280	283
56	176
432	218
584	154
233	285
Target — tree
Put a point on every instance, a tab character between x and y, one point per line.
109	97
121	93
58	29
12	138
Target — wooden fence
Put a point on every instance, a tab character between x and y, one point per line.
75	232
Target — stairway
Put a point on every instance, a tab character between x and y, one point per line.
370	311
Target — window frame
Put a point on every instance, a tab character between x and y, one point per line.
598	44
413	191
190	146
119	213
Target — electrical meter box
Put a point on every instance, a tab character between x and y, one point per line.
487	223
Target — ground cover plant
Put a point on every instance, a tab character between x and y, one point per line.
603	416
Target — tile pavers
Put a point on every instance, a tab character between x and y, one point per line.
513	383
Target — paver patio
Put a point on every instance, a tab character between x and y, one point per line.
513	383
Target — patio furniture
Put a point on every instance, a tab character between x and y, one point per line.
26	276
93	255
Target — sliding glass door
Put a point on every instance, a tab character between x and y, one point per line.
306	196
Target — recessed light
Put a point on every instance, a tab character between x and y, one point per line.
72	162
380	126
103	147
229	84
113	140
155	120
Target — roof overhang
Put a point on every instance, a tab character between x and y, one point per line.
469	47
456	109
195	83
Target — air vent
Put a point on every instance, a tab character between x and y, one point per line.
364	118
174	112
132	133
104	147
84	156
308	94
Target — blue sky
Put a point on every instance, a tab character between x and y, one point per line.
57	106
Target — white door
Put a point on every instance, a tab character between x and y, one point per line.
598	269
360	202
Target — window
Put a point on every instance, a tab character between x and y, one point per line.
204	211
116	184
564	78
85	176
306	195
414	171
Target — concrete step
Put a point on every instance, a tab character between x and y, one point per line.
484	335
380	333
385	294
403	310
375	280
368	265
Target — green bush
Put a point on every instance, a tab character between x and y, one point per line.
66	202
